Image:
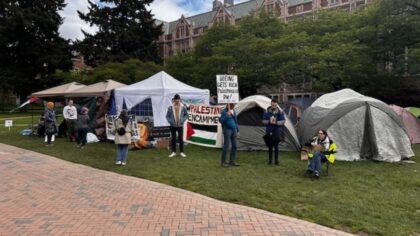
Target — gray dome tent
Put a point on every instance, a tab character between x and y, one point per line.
362	127
250	113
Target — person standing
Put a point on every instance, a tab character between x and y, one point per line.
123	131
176	115
70	115
83	121
50	124
273	120
230	129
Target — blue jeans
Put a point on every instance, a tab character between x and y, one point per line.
122	151
229	136
315	162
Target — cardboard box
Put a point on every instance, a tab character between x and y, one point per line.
162	143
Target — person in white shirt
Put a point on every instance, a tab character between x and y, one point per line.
70	115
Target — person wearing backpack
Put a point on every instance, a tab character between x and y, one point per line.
123	131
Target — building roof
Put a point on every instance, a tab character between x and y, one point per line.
238	11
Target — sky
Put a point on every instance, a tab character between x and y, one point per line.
167	10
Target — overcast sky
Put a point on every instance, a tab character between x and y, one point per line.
167	10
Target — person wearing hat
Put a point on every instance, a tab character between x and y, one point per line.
176	115
273	120
83	121
50	124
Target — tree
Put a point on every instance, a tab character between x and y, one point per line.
31	49
126	29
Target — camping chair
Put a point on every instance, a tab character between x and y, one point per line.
330	156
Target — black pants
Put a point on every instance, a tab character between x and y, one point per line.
81	136
276	153
180	131
49	137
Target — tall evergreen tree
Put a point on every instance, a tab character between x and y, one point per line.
126	29
31	48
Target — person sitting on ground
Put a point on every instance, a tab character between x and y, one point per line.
320	145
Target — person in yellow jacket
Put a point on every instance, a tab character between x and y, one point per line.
323	149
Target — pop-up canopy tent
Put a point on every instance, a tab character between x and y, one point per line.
411	123
160	88
58	91
96	97
362	127
250	112
101	89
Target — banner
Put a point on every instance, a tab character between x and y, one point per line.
110	122
203	127
227	89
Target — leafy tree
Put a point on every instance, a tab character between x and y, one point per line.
127	72
31	49
126	29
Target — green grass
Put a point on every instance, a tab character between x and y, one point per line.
415	111
358	197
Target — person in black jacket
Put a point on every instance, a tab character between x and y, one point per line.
273	120
83	121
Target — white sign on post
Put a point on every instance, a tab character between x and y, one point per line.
8	123
227	89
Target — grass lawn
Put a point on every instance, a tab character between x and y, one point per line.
358	197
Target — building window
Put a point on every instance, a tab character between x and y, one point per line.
270	10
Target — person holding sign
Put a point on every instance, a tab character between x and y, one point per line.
230	132
274	120
176	115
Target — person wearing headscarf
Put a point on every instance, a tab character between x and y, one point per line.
123	130
50	124
83	121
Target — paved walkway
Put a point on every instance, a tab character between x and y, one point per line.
42	195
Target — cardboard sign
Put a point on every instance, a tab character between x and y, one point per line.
227	89
8	123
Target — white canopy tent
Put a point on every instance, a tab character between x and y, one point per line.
161	88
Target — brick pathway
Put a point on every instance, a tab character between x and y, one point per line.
42	195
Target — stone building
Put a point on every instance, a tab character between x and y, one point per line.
181	36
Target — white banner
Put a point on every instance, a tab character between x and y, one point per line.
203	127
227	89
8	123
110	122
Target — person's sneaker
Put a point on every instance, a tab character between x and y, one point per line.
183	154
172	154
316	174
123	163
234	164
118	163
224	164
308	172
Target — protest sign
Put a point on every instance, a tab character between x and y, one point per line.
227	89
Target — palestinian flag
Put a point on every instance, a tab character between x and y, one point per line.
31	100
201	134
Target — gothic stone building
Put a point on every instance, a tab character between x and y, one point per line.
180	36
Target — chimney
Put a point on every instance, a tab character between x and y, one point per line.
216	4
228	3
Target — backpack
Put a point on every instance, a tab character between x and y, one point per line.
121	131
